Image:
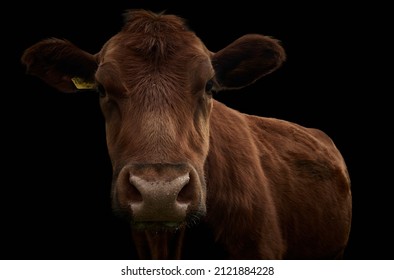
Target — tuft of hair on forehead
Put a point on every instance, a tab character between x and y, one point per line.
152	23
157	35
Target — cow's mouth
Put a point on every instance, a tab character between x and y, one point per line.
191	220
158	226
159	242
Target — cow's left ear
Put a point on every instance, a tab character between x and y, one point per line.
246	60
61	64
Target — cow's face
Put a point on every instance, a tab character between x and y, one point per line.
156	97
155	80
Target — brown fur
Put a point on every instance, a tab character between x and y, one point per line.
264	188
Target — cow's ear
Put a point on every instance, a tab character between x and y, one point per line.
246	60
61	64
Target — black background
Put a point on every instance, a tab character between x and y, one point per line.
56	174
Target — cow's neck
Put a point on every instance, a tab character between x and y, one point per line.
158	245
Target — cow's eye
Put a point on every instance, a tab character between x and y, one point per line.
101	90
209	87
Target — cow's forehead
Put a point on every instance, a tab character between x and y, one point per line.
185	61
153	36
153	49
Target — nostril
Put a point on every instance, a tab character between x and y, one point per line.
186	194
135	195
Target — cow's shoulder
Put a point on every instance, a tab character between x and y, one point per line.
229	125
272	142
299	150
289	136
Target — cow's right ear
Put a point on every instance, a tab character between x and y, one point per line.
61	64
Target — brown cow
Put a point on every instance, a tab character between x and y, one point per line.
263	188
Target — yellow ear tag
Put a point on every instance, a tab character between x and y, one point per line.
80	83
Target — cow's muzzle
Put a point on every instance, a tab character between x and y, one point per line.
160	193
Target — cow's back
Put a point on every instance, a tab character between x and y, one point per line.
299	168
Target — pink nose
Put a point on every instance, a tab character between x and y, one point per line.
160	200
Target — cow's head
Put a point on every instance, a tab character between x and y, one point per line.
155	79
